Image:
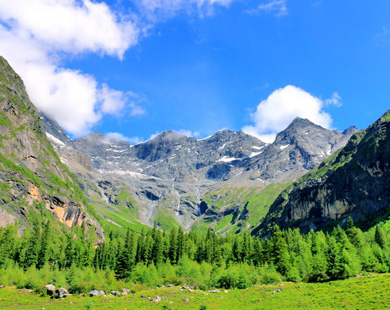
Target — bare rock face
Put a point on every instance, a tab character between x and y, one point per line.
355	183
32	177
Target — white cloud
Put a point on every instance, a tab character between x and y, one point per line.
281	107
277	7
71	25
121	137
187	133
183	132
159	9
334	100
36	34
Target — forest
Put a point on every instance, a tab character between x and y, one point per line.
75	259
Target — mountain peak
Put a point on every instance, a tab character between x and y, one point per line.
299	123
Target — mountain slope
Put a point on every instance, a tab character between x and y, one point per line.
34	183
355	182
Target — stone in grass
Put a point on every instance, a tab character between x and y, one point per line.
2	286
94	293
61	293
186	299
125	291
157	299
50	289
115	293
214	291
102	293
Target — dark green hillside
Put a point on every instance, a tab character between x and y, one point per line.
354	182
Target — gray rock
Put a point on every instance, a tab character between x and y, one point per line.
115	293
94	293
50	289
61	293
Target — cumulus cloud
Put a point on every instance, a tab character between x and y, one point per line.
276	112
277	7
36	34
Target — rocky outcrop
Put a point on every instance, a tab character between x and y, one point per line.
355	183
32	177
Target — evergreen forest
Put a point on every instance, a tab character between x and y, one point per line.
75	259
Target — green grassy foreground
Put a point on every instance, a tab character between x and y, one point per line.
367	292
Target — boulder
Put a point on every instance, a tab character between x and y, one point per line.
61	293
115	293
50	289
93	293
186	299
102	293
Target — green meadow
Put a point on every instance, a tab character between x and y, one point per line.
365	292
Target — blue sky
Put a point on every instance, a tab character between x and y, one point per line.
200	66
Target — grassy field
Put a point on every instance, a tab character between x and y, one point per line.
367	292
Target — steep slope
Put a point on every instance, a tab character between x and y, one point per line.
34	183
296	150
355	182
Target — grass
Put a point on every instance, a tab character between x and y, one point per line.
367	292
257	200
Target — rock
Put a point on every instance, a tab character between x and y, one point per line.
170	285
186	299
102	293
116	293
2	286
214	291
142	296
157	299
61	293
94	293
125	291
50	289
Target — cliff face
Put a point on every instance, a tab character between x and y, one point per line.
354	182
34	183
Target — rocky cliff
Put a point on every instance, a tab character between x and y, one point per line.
354	182
34	183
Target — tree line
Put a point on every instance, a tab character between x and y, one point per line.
236	260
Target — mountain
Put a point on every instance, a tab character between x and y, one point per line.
175	180
35	184
354	182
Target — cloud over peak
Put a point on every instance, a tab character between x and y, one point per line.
281	107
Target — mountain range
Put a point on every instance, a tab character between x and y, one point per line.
309	177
